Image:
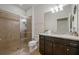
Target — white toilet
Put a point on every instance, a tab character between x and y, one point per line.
32	45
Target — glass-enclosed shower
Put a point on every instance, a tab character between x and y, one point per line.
15	32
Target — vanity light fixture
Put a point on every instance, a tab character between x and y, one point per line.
57	8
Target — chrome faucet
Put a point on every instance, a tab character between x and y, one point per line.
74	32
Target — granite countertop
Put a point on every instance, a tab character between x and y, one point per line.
66	36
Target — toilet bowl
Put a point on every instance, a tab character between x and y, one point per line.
32	45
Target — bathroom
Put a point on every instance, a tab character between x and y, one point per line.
26	24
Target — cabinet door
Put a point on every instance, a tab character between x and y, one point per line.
59	49
48	46
41	44
59	46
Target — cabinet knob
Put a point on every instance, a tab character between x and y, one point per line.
67	49
65	44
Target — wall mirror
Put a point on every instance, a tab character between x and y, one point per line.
61	19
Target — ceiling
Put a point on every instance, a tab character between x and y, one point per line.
26	6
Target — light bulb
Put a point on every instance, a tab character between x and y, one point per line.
61	7
56	9
23	20
52	10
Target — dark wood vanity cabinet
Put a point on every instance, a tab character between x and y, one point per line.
58	46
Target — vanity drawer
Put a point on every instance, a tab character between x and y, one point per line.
60	41
73	43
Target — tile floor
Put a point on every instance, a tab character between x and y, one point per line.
25	51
